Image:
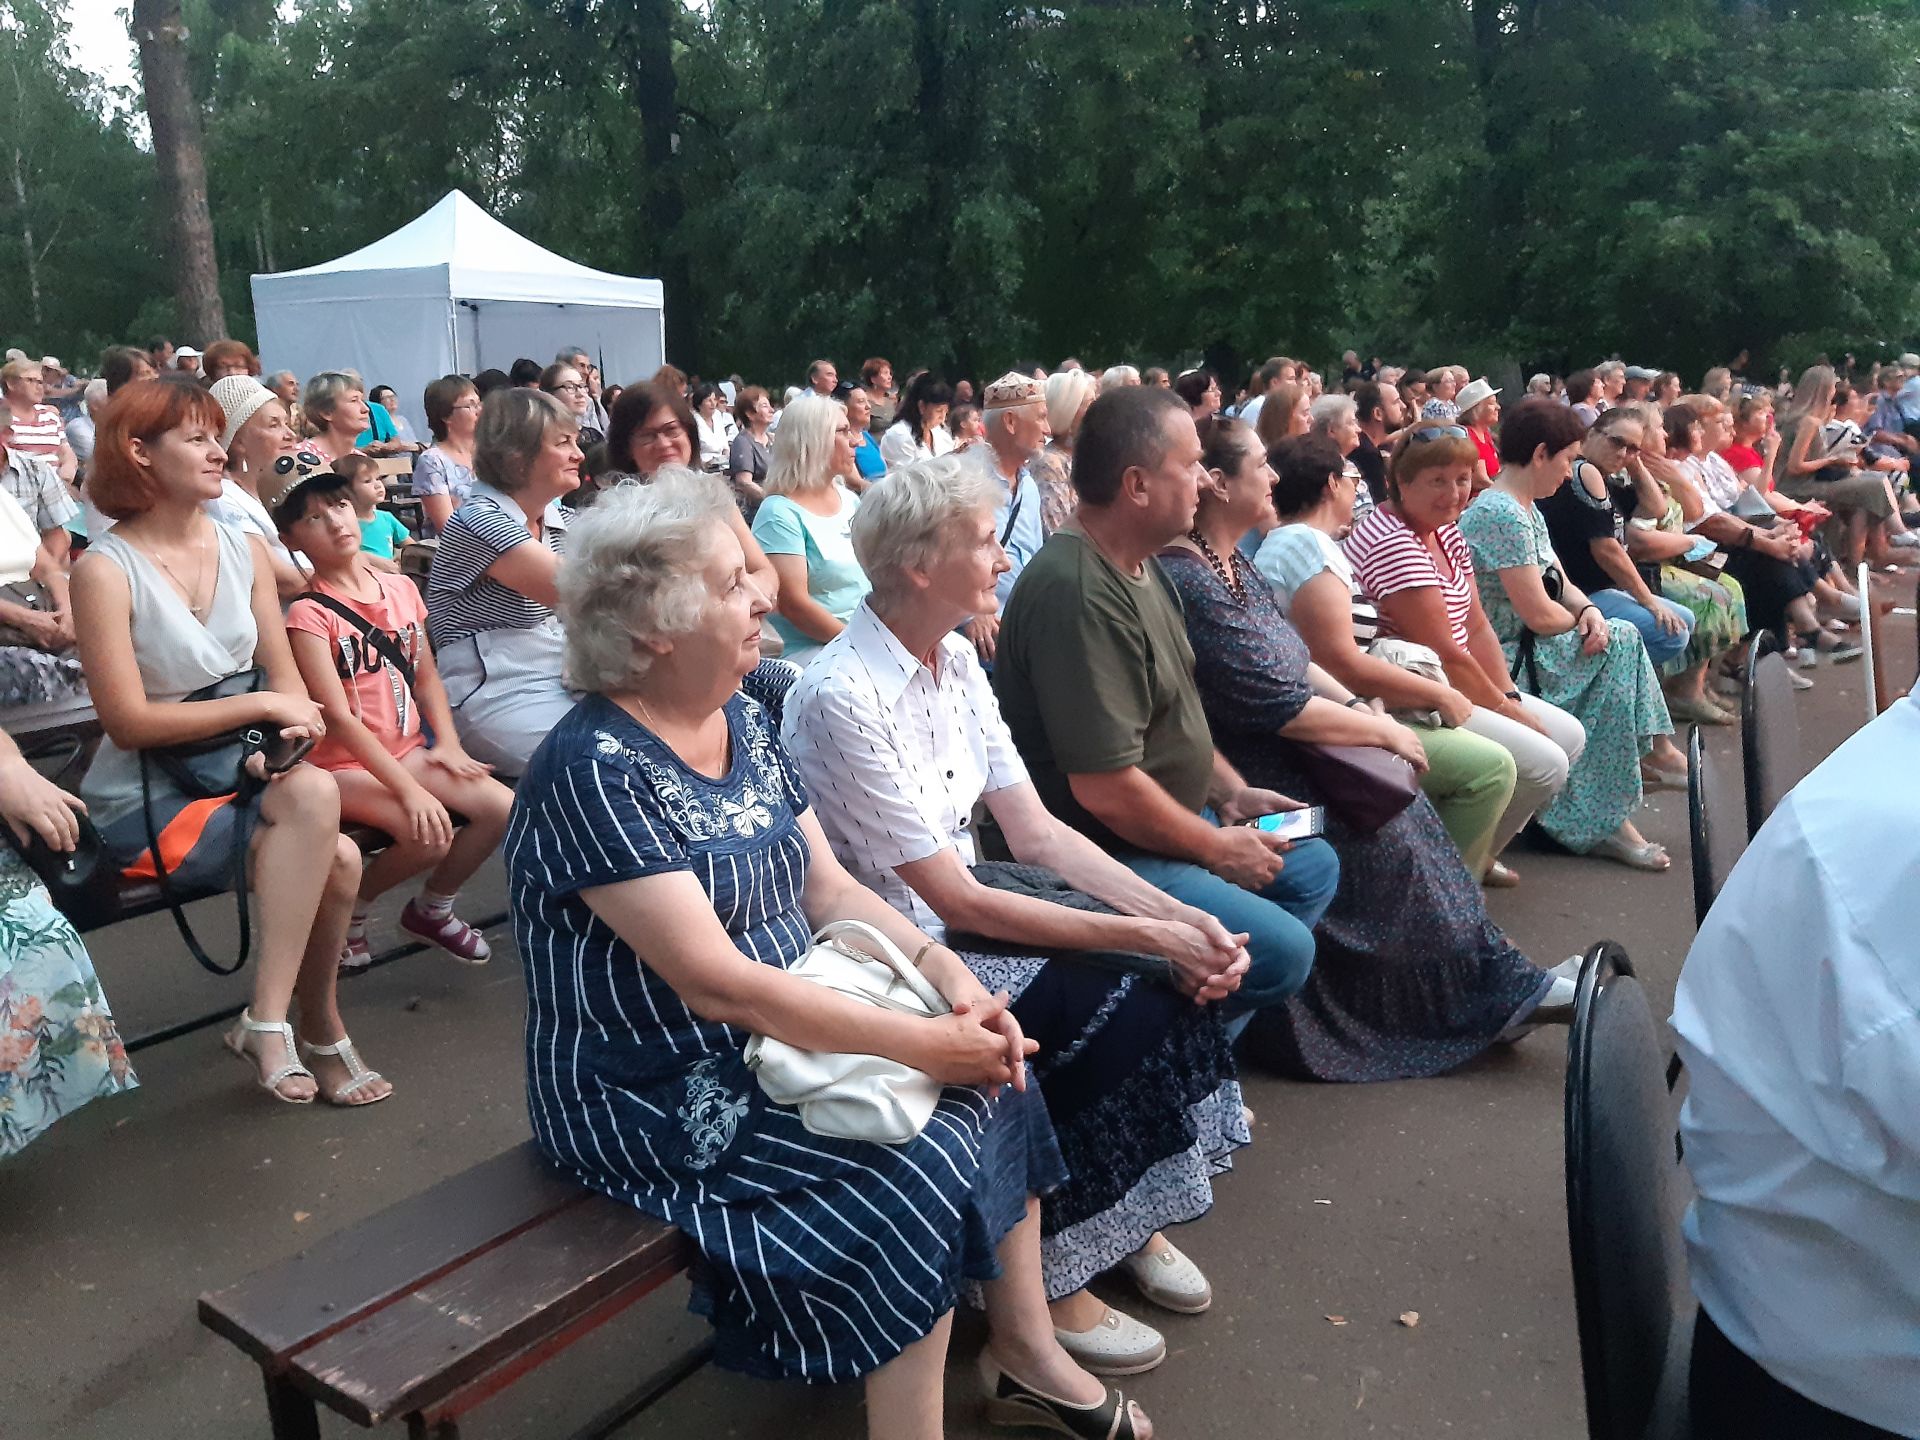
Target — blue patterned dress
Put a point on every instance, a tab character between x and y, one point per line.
1411	976
822	1259
1615	694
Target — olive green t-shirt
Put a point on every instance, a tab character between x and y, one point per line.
1094	674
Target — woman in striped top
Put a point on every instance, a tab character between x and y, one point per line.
1412	560
666	872
1469	779
490	591
35	426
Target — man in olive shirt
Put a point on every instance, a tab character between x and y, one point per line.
1095	677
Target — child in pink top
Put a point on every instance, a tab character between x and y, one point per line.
356	635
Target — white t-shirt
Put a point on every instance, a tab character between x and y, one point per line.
19	542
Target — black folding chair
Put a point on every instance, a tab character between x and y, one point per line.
1714	824
1626	1192
1774	760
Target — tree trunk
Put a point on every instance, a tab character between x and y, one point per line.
656	94
161	35
29	253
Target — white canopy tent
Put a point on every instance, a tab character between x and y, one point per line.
454	292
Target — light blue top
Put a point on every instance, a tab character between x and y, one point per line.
1022	540
834	577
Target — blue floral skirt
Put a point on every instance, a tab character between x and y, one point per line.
59	1047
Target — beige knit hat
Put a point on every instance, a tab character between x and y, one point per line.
240	396
1012	390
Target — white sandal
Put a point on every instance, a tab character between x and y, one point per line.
358	1074
236	1041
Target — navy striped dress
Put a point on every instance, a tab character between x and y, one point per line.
823	1259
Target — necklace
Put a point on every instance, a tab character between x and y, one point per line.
197	609
1227	571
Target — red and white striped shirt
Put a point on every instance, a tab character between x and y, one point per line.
43	435
1388	558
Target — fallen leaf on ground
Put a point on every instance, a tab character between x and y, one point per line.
300	1215
1410	1318
1336	1319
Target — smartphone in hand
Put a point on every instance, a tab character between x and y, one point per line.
1295	824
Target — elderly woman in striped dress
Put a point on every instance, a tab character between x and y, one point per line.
666	871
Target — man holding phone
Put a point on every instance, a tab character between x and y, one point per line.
1095	677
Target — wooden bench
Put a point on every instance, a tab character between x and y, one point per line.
428	1308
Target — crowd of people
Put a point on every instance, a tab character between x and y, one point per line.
1162	733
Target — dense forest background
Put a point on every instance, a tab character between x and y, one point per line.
957	182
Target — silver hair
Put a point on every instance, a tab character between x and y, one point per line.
274	378
567	354
1116	377
802	457
95	395
1330	410
514	423
323	392
905	523
633	574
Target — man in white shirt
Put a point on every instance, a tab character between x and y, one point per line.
1798	1013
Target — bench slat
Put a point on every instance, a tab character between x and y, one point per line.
427	1345
287	1306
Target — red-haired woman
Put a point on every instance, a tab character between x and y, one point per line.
169	604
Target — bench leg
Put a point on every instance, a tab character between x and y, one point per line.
291	1412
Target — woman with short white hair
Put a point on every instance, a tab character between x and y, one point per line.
1118	377
1069	393
898	737
804	525
666	874
491	591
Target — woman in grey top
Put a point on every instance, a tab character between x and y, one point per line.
168	603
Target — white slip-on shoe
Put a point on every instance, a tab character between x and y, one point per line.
1118	1345
1170	1280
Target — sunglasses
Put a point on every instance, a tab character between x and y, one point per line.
1437	432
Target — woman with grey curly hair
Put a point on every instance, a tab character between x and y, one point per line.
667	872
491	589
898	737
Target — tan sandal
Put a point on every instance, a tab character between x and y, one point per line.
358	1075
236	1041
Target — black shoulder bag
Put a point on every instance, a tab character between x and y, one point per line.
1555	586
83	883
205	770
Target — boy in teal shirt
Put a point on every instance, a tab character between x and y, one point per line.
381	531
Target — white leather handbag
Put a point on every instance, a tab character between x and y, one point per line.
847	1096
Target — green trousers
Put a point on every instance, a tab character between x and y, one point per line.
1470	780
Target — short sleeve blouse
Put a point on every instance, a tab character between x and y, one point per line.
1390	558
438	473
462	599
834	577
1291	555
897	754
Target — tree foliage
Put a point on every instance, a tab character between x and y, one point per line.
959	182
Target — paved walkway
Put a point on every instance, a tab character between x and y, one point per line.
1355	1204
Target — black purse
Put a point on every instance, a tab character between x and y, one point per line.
206	770
83	883
1555	585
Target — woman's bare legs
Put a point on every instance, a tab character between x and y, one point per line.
905	1395
299	818
320	1022
1020	1325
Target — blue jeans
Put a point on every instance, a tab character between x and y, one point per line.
1661	646
1278	920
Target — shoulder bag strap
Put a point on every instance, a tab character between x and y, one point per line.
243	836
376	637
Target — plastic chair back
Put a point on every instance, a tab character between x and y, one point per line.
1716	826
1774	759
1625	1196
